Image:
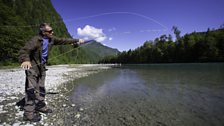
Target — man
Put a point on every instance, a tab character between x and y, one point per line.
34	56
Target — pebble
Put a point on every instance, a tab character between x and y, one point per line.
77	115
54	79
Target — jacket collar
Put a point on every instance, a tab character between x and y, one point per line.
40	38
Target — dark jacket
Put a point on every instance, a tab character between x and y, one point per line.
33	49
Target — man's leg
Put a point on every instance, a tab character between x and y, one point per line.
41	87
41	105
30	97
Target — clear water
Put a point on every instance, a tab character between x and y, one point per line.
159	94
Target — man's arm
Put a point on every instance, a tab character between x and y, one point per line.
24	53
64	41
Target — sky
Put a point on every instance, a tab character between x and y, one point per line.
127	24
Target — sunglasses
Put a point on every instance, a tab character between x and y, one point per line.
49	31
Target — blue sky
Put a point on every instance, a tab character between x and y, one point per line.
127	24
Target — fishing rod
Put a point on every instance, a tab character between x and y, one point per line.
87	42
75	46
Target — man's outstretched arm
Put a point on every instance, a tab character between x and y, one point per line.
64	41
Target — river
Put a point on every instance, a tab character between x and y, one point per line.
155	94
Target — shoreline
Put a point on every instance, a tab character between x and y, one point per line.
12	86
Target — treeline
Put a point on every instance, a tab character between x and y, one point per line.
195	47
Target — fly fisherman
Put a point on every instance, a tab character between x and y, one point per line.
34	56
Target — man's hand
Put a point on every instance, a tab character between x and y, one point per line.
26	65
81	41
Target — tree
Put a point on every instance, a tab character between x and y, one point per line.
222	26
176	32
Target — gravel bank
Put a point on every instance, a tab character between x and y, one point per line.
12	90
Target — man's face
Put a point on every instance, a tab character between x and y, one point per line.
48	31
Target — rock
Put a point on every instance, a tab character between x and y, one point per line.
77	115
81	109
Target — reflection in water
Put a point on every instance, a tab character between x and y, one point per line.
178	94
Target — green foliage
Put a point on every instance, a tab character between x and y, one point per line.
195	47
19	21
11	38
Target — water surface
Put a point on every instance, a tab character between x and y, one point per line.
159	94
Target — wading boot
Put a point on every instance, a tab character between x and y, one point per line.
44	110
32	117
42	107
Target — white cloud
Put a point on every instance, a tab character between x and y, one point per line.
110	38
90	32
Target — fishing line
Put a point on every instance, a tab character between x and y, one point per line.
98	15
93	16
81	45
116	33
111	13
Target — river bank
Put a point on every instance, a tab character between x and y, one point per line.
12	90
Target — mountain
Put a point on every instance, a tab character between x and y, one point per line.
19	22
96	51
